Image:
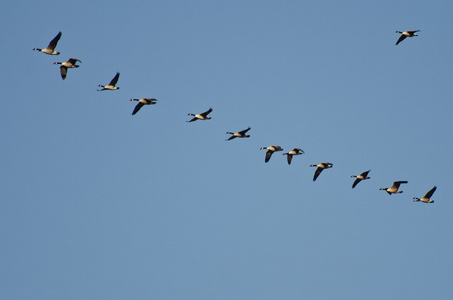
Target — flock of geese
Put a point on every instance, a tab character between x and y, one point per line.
394	189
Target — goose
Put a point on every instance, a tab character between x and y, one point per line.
141	102
360	177
405	34
71	63
239	134
111	86
394	189
270	151
202	116
295	151
51	47
320	168
427	197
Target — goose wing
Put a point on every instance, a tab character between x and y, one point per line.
268	155
430	193
298	150
206	112
115	79
317	172
365	174
244	131
74	60
397	183
231	137
63	72
53	43
289	157
137	107
402	37
356	182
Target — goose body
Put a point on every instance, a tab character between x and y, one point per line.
427	197
270	151
394	189
320	167
360	177
239	134
290	154
142	102
50	49
71	63
405	34
112	85
202	116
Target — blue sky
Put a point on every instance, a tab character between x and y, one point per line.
99	204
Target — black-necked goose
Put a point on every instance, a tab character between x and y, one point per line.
239	134
290	154
202	116
112	85
320	168
141	102
270	151
71	63
360	177
405	34
394	189
427	197
51	47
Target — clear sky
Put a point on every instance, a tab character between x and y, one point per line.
99	204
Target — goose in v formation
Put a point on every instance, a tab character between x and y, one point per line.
202	116
427	197
360	177
112	85
394	189
290	154
142	102
239	134
270	151
50	49
405	34
320	168
71	63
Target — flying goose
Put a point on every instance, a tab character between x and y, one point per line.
51	47
320	167
202	116
427	197
405	34
111	86
239	134
360	177
394	189
270	151
71	63
141	102
295	151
